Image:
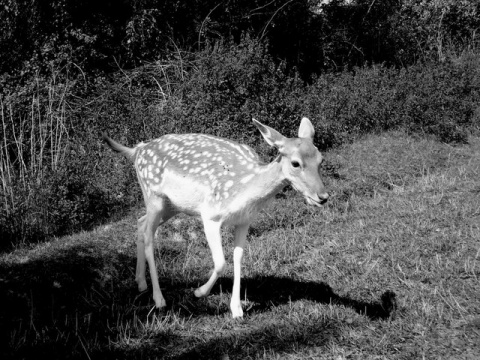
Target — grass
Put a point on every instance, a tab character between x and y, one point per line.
388	269
34	146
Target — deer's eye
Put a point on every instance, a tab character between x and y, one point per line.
295	164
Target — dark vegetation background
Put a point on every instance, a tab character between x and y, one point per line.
71	69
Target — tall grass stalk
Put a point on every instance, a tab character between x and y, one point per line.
34	145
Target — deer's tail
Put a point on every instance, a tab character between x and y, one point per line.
115	146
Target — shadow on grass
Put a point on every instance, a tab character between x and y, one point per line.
266	293
82	299
272	291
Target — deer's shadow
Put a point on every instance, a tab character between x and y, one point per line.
266	292
53	292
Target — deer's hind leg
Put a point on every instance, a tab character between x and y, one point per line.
158	212
141	261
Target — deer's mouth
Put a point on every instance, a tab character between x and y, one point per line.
319	201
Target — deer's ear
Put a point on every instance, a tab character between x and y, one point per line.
306	129
271	136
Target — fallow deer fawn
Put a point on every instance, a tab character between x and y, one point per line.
220	181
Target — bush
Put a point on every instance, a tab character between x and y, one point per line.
437	99
231	84
217	91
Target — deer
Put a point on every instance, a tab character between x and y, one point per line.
223	183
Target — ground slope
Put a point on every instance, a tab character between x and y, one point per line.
388	269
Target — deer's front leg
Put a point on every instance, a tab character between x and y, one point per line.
214	239
240	239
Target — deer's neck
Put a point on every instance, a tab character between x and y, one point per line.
261	185
252	194
269	180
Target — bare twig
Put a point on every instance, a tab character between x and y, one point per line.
203	23
271	19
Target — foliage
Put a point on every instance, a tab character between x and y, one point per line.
433	29
230	84
305	35
437	99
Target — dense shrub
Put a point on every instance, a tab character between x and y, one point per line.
217	90
231	84
436	98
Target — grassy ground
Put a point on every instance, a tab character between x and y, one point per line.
388	269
